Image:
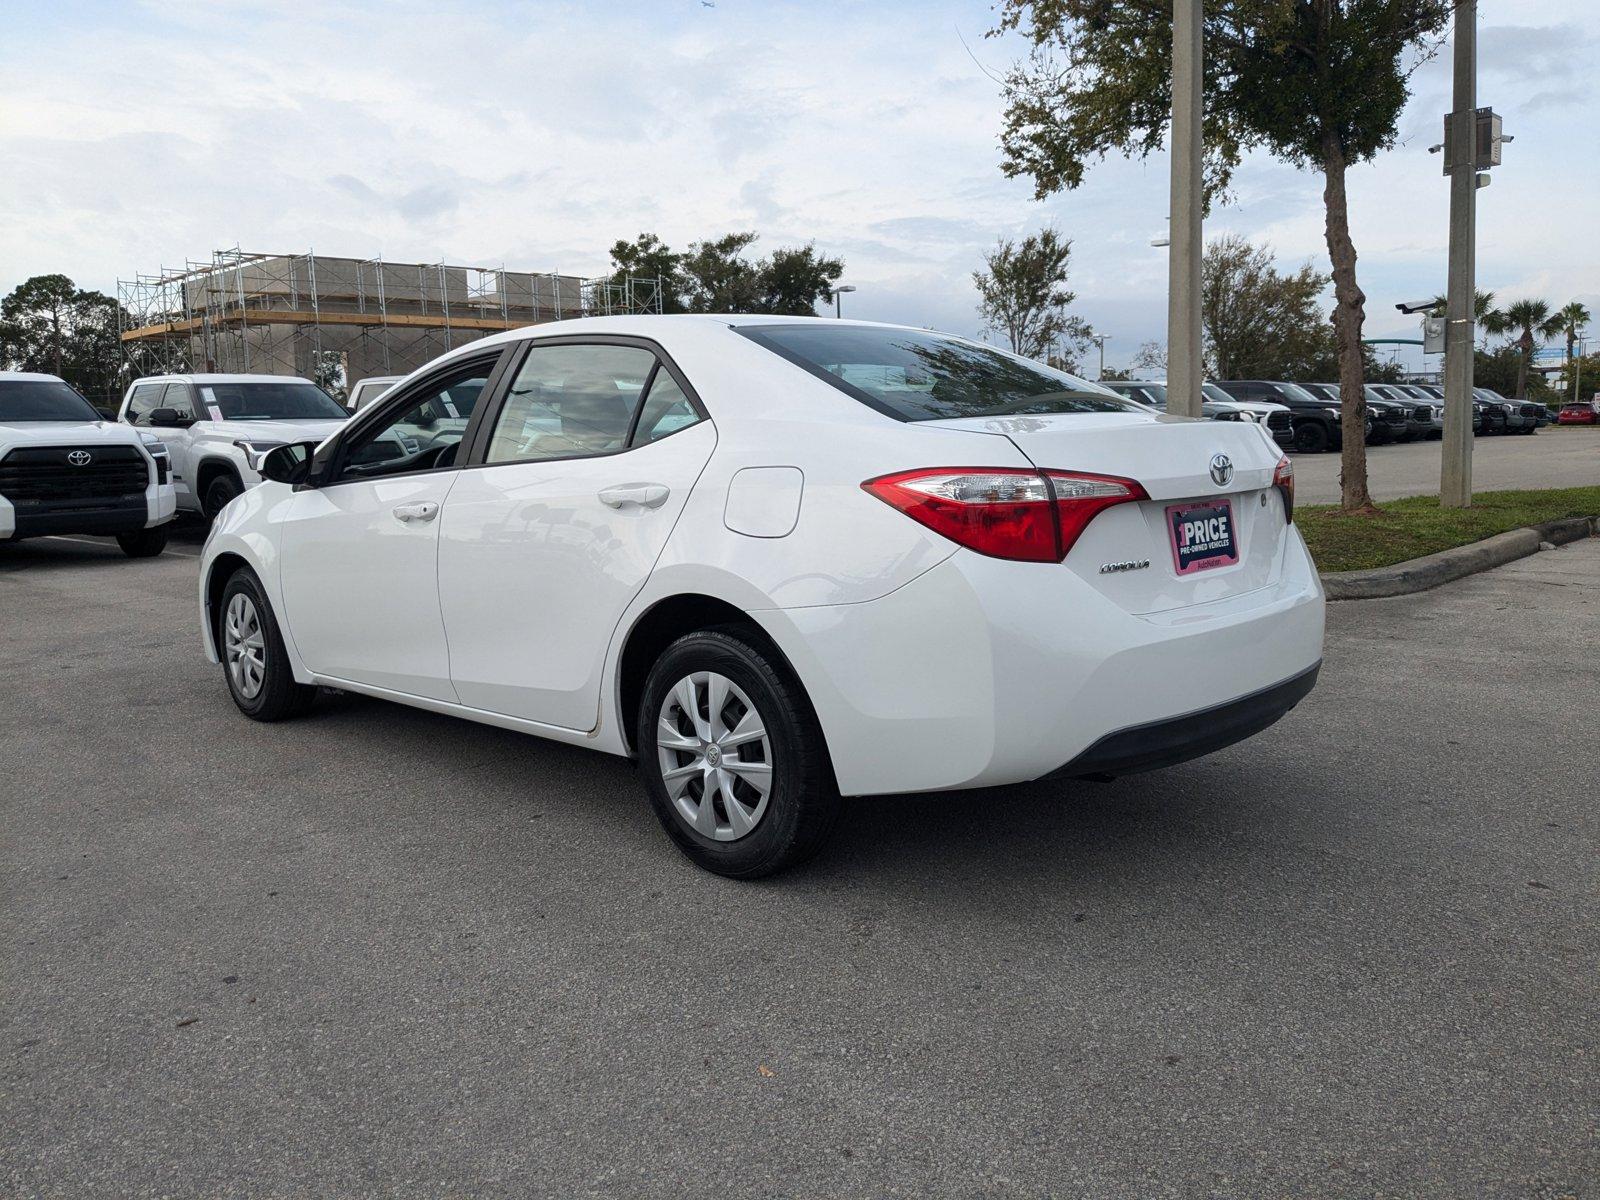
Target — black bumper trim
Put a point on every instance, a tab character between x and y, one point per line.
123	518
1178	739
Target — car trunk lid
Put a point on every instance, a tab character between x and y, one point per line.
1151	555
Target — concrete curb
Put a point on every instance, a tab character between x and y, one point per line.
1431	570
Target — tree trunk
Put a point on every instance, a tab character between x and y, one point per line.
1348	314
55	340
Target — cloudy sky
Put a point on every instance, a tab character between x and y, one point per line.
135	135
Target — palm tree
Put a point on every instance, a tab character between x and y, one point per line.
1574	317
1531	321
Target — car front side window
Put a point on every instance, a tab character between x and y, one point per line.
144	398
176	397
424	434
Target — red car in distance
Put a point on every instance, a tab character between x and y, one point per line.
1583	412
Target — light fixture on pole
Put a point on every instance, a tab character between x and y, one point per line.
836	293
1100	340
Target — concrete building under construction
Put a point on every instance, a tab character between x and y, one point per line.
340	320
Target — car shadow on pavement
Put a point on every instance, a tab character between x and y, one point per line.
1045	831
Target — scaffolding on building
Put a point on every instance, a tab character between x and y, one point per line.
339	320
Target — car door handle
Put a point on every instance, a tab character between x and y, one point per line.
645	495
425	511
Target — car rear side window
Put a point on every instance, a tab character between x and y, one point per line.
570	402
916	376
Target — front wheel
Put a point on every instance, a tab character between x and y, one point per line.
733	757
1311	437
219	493
253	658
143	543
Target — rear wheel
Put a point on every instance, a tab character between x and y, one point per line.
143	543
1311	436
219	492
253	658
733	757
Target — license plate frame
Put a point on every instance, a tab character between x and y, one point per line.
1198	546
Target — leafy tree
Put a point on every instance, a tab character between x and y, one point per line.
648	257
1531	322
1317	83
797	279
1580	377
1504	370
1022	293
717	276
1113	375
49	324
1259	323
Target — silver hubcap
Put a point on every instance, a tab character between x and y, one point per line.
715	757
245	646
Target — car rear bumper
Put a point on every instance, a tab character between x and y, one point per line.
1174	740
982	672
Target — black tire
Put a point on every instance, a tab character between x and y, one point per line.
1311	437
279	696
143	543
802	803
219	492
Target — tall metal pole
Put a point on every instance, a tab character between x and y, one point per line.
1455	479
1184	369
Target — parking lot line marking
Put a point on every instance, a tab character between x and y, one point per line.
67	537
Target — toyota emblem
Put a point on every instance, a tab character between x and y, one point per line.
1221	469
80	458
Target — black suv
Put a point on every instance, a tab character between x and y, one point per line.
1384	422
1316	422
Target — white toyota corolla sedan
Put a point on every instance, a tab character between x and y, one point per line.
778	561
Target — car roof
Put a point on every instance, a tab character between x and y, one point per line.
31	377
219	378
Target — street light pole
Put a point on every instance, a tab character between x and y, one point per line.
838	309
1100	340
1455	479
1183	274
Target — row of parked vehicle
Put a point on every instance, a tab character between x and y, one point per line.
1305	416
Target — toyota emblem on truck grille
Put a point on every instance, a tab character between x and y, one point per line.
1221	469
80	458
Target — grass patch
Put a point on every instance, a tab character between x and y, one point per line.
1415	526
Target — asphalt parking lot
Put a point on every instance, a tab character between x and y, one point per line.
379	951
1553	457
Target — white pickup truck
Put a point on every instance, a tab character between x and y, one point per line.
219	427
65	470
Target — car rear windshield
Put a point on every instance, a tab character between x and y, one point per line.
271	402
915	376
43	400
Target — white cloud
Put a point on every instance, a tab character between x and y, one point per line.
538	135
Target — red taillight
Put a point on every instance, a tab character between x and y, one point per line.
1080	498
1283	480
1028	516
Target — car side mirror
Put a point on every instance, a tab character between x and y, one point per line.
170	416
289	464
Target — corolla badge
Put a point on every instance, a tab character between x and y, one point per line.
80	458
1221	469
